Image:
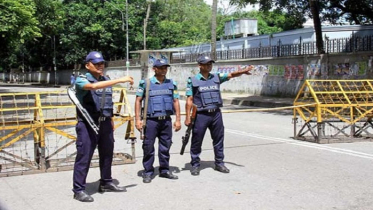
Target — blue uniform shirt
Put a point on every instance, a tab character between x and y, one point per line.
141	89
223	77
79	84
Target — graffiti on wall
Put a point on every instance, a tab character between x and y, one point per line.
342	69
313	70
226	69
258	70
295	72
276	70
350	69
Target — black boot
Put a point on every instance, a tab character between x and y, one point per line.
83	196
110	187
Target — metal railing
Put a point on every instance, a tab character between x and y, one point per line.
342	111
340	45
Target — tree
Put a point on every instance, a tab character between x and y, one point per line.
314	6
334	11
40	51
17	25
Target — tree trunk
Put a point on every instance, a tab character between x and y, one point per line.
146	23
213	29
314	5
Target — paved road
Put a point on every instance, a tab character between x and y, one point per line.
269	170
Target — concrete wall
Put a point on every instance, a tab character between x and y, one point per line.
283	76
271	76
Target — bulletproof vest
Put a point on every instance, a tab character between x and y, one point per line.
206	93
161	99
93	99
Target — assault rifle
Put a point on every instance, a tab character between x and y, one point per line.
189	129
71	92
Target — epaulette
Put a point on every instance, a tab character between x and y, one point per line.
83	76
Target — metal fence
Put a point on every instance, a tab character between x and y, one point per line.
37	132
340	45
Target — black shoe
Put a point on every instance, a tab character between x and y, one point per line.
110	187
147	178
168	175
195	171
83	196
222	168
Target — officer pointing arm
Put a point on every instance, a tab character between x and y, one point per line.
94	92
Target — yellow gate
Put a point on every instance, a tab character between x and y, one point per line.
341	111
38	132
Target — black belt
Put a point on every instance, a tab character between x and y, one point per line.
160	118
209	110
102	119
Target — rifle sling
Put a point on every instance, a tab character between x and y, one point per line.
102	107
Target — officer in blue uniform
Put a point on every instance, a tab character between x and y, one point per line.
94	91
163	101
203	90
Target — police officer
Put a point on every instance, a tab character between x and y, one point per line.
94	91
163	101
203	90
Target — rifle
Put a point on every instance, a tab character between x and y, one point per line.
189	129
71	93
144	111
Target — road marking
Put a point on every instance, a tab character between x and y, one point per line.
304	144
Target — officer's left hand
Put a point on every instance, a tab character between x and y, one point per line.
177	125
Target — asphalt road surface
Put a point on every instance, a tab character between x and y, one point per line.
269	170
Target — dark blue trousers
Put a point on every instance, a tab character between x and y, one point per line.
86	144
161	129
214	122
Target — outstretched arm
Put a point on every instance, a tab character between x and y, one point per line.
107	83
240	72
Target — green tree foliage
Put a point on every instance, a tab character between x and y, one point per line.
333	11
179	23
32	30
17	25
40	51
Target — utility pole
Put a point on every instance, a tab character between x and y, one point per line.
213	29
54	60
127	53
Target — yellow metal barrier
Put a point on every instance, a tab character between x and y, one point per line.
38	132
337	106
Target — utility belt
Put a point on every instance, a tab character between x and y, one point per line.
97	119
208	111
160	118
102	119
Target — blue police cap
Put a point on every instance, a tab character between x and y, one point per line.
204	59
159	63
94	57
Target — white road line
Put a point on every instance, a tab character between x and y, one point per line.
303	144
